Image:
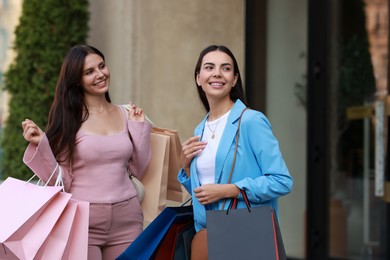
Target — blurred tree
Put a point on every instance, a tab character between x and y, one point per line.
46	31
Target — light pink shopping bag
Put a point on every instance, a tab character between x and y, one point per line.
26	246
77	247
23	203
55	244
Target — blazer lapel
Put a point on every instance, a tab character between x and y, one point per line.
227	139
198	131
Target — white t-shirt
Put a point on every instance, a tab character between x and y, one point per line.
205	164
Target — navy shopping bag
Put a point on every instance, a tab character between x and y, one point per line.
146	245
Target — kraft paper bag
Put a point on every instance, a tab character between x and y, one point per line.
23	203
55	244
174	188
156	177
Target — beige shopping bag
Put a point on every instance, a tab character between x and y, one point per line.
174	188
156	177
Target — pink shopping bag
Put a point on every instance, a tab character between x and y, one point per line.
77	247
22	203
55	244
27	246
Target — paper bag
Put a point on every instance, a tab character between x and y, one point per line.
156	177
146	245
183	243
55	244
24	203
244	234
168	246
174	188
77	247
27	246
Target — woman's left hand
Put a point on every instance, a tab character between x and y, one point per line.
136	113
210	193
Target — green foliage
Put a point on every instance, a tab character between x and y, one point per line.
46	31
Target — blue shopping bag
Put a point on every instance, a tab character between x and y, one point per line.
147	243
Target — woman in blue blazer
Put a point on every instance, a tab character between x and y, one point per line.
207	157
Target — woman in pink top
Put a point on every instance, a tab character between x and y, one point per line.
95	142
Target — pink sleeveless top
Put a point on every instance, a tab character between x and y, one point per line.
100	162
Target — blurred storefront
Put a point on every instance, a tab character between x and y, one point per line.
348	111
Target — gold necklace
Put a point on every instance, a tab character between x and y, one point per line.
212	132
218	118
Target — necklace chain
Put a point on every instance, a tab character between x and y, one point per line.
212	132
216	125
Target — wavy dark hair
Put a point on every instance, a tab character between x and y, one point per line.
235	93
69	110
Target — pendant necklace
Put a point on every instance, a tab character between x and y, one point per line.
212	132
216	125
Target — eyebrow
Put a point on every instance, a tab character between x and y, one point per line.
223	64
92	68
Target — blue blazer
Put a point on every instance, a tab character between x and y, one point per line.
259	170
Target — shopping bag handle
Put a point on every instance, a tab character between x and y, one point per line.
186	202
59	181
233	203
39	179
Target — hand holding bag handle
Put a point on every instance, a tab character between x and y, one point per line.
233	203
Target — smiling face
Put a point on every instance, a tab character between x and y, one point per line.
96	76
216	75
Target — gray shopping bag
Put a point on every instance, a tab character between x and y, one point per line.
247	233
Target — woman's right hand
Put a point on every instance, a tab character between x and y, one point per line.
190	148
135	113
31	132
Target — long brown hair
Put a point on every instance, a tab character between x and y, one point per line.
66	113
235	93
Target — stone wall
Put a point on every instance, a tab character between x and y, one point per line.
152	46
